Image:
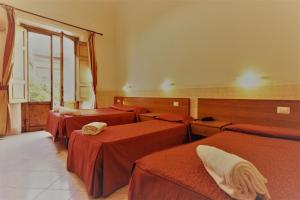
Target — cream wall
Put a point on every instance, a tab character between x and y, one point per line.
204	46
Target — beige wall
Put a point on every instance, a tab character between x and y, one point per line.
200	46
204	46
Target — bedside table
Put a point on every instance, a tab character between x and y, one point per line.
147	116
207	128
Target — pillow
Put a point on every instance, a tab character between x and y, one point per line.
126	108
122	108
173	117
267	131
68	111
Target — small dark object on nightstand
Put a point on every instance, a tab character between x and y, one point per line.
206	119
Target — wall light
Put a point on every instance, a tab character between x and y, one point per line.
167	85
249	80
127	87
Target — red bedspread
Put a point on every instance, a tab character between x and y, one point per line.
63	125
179	174
104	162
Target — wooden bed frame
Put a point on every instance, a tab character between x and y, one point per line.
157	105
261	112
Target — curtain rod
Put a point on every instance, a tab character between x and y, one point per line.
48	18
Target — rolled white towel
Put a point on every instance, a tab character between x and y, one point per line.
93	128
234	175
68	111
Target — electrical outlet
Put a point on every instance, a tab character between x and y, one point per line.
175	103
283	110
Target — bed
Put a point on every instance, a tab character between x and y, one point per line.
178	173
61	126
272	145
104	162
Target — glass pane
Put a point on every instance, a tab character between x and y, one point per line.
69	69
39	67
19	59
56	70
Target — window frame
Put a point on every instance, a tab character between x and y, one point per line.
42	31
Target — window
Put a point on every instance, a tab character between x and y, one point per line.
39	64
51	67
69	69
56	70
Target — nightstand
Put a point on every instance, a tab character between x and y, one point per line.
207	128
147	116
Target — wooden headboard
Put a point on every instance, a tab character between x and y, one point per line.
261	112
157	105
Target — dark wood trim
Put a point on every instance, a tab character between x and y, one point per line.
27	66
157	104
38	30
75	68
61	68
51	19
46	31
251	111
51	70
71	37
39	103
34	115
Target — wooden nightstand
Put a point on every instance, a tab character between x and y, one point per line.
207	128
147	116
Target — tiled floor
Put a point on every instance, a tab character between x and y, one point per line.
32	167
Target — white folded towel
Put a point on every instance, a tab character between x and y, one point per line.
93	128
237	177
68	111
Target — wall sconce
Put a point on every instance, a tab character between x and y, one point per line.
167	85
249	80
127	87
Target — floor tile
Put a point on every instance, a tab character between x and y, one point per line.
54	195
18	194
28	179
68	183
32	167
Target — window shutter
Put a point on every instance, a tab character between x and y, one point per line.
84	76
18	92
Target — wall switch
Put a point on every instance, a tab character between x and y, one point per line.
283	110
176	103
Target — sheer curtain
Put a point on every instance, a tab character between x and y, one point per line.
7	38
93	63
